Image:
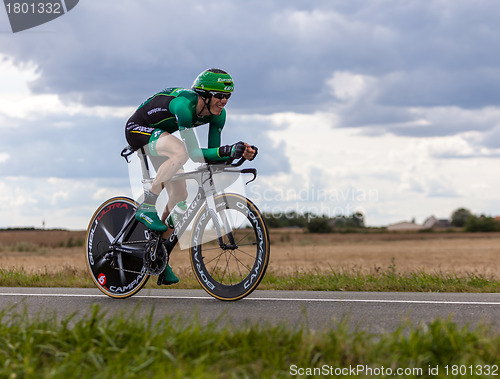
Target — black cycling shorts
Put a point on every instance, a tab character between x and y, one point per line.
138	134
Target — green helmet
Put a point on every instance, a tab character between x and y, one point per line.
213	80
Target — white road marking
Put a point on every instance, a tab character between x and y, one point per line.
381	301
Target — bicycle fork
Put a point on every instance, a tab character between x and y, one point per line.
222	226
225	228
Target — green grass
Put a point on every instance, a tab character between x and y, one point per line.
22	247
100	346
382	280
386	282
67	277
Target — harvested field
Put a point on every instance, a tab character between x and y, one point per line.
291	251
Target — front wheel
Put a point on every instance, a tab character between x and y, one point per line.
120	274
230	247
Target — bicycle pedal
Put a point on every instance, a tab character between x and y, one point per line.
159	282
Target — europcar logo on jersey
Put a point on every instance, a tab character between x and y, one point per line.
26	14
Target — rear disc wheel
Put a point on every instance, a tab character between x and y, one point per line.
117	274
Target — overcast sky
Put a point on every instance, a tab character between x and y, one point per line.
388	107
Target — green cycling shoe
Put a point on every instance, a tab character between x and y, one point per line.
146	213
169	277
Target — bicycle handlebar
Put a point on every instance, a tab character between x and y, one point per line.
230	161
128	151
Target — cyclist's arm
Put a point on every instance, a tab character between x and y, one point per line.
214	138
182	108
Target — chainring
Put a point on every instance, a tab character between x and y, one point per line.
155	257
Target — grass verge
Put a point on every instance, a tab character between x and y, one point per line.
381	282
348	280
98	346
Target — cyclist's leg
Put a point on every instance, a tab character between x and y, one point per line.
177	192
163	144
170	146
138	134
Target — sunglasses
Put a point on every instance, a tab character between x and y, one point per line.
220	95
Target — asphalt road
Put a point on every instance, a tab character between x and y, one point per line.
372	311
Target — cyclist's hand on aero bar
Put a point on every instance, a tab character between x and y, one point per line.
250	152
233	151
238	150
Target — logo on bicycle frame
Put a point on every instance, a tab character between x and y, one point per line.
26	14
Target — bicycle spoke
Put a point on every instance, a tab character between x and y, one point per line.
120	266
211	260
226	270
109	235
252	256
98	264
238	263
249	234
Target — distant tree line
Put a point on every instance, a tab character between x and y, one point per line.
463	218
460	218
314	223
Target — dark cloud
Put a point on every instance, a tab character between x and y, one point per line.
83	147
281	54
466	88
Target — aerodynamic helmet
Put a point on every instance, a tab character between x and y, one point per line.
213	80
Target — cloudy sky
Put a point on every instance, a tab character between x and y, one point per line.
388	107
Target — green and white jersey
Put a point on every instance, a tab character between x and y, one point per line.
175	109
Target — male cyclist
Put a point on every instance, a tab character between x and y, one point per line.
181	109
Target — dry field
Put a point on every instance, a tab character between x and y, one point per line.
291	251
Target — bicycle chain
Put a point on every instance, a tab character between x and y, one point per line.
155	257
125	270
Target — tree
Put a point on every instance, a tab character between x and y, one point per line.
283	220
319	225
460	216
481	224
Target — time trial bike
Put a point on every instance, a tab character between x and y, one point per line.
228	239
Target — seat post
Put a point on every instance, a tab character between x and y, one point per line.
146	175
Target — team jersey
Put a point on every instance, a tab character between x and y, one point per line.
175	109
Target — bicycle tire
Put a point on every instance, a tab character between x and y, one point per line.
129	276
230	274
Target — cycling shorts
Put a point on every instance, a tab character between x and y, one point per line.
138	134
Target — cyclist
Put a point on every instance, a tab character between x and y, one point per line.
181	109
